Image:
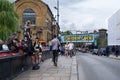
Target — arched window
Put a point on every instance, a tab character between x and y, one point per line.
30	15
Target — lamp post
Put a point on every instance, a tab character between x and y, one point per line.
57	8
53	27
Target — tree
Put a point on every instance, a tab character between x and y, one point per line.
105	42
8	19
97	41
66	33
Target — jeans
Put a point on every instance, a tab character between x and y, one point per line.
71	53
55	56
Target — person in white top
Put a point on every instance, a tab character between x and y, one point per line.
5	46
71	47
66	49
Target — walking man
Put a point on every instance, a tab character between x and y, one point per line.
55	46
107	51
116	51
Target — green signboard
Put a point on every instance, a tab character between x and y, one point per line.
78	38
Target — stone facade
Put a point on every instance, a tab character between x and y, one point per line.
42	26
102	37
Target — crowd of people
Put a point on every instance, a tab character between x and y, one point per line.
31	47
107	51
114	50
34	48
69	49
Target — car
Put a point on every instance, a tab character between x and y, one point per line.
79	49
83	50
95	52
102	51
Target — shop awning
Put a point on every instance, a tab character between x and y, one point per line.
42	41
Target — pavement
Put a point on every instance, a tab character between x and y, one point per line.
114	57
66	70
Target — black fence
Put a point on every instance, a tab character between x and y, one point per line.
13	65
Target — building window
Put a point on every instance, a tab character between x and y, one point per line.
30	15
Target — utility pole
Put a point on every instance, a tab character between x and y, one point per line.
57	8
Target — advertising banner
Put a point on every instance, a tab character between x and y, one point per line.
78	38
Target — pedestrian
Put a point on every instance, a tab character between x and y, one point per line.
113	50
71	48
116	51
107	51
27	27
14	46
20	47
38	51
5	46
50	47
61	50
55	47
32	55
66	49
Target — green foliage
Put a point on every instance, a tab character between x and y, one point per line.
66	33
98	41
105	42
8	19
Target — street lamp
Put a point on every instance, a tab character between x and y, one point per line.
53	27
57	8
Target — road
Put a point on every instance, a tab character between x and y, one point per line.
92	67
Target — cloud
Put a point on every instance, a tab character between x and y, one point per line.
91	14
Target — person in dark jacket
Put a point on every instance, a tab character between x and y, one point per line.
107	51
116	51
31	53
113	50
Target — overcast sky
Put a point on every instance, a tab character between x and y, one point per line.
84	14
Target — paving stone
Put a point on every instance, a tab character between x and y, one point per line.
65	78
46	75
66	70
21	79
74	77
48	78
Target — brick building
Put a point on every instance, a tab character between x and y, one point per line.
102	38
40	16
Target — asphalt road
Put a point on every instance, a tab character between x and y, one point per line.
92	67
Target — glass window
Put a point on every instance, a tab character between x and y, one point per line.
30	15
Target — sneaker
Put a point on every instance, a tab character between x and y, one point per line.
36	67
42	60
55	64
33	68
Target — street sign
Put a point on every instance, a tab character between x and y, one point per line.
77	38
